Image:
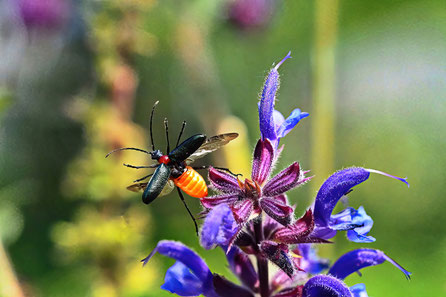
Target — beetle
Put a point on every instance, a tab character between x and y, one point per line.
173	170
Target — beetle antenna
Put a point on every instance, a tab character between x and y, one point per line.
151	124
166	126
181	133
139	167
127	148
143	178
188	210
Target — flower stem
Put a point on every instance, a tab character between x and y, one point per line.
262	262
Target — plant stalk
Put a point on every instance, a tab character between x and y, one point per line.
262	262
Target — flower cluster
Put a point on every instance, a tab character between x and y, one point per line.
252	219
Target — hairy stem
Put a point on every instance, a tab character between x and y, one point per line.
262	262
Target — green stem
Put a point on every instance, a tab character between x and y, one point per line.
325	32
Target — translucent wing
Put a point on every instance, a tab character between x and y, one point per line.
140	187
211	144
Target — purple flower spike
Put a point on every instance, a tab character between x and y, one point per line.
325	286
358	290
218	227
190	278
273	125
357	259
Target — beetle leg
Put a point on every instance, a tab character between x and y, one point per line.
142	178
188	210
219	168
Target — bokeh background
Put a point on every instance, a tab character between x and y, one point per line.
79	78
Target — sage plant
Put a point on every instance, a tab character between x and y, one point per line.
252	222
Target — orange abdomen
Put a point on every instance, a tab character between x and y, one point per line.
192	183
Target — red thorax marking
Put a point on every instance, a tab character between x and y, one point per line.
164	159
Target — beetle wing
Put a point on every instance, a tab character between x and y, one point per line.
187	148
156	184
211	144
140	187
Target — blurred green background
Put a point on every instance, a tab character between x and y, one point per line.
78	79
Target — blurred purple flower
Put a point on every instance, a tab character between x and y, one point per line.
273	125
250	13
49	14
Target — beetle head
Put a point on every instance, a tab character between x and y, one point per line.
156	154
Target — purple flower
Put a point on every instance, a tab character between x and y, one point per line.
358	290
260	193
250	13
44	14
356	222
252	219
189	276
310	262
355	260
273	125
325	286
219	227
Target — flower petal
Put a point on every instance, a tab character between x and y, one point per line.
356	222
189	259
357	259
223	181
241	266
226	288
218	227
290	292
282	213
333	189
287	125
285	180
242	211
262	162
358	290
325	286
296	232
179	280
211	202
310	261
266	106
278	254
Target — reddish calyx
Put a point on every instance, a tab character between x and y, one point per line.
164	159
